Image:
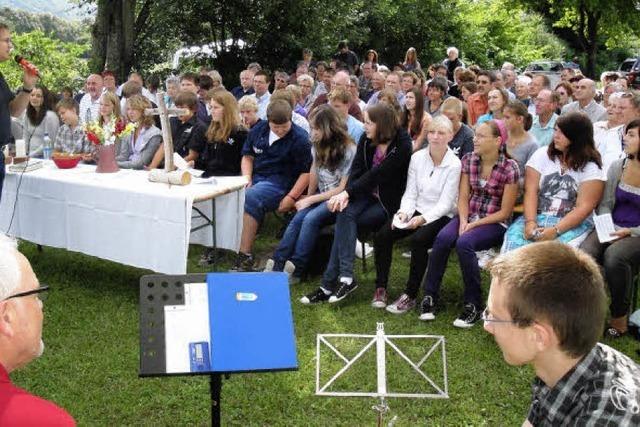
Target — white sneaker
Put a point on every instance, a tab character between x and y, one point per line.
269	265
485	257
368	249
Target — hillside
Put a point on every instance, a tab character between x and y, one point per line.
59	8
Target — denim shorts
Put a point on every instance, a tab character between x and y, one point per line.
262	197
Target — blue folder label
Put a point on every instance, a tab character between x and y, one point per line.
199	356
246	296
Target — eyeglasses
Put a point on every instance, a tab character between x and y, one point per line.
41	296
488	317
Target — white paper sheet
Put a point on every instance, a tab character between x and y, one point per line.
604	227
184	324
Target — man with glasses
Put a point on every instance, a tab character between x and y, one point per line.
10	104
21	340
545	118
547	307
478	103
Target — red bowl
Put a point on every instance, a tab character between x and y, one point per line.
66	162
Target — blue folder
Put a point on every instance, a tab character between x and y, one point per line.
251	323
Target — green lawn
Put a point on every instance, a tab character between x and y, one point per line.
90	365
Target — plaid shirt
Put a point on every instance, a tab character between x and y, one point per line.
487	199
72	141
603	389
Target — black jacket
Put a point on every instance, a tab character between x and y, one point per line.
390	176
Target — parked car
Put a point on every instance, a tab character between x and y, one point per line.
630	68
551	69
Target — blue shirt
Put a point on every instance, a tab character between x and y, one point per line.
355	128
544	135
282	162
238	92
484	118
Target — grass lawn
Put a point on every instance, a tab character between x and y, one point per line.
90	365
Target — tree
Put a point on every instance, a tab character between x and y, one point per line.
587	24
60	63
113	37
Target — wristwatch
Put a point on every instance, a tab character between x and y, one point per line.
25	90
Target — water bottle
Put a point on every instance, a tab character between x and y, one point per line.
47	148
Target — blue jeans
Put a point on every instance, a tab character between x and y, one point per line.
1	170
480	238
262	197
364	213
300	237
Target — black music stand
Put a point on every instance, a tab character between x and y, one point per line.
235	331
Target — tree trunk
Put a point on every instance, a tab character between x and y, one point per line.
113	37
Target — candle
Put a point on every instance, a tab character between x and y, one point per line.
21	148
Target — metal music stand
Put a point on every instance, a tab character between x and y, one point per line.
380	341
250	320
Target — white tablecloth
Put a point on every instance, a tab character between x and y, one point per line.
120	216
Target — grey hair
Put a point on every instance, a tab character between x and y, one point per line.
305	77
173	80
10	274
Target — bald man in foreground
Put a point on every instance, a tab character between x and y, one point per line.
21	341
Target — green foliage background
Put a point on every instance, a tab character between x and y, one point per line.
60	63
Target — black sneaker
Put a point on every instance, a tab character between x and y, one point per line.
427	308
470	315
315	297
244	262
344	289
208	257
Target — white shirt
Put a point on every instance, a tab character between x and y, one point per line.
89	109
263	103
432	190
608	142
299	120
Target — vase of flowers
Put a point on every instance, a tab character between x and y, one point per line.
104	139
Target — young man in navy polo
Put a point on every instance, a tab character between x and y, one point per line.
276	159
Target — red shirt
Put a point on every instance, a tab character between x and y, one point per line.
19	408
477	105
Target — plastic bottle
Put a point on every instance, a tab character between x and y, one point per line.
47	147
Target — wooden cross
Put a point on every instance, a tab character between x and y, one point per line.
164	112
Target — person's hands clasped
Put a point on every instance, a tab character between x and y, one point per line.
466	226
339	202
530	230
543	234
303	203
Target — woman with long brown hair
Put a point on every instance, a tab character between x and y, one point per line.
563	185
333	151
414	119
39	120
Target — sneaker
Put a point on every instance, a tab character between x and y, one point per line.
470	315
402	305
290	268
379	298
244	262
427	308
207	258
344	289
268	267
368	250
315	297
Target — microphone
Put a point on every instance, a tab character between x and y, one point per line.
27	66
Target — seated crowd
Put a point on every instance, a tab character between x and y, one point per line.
455	157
